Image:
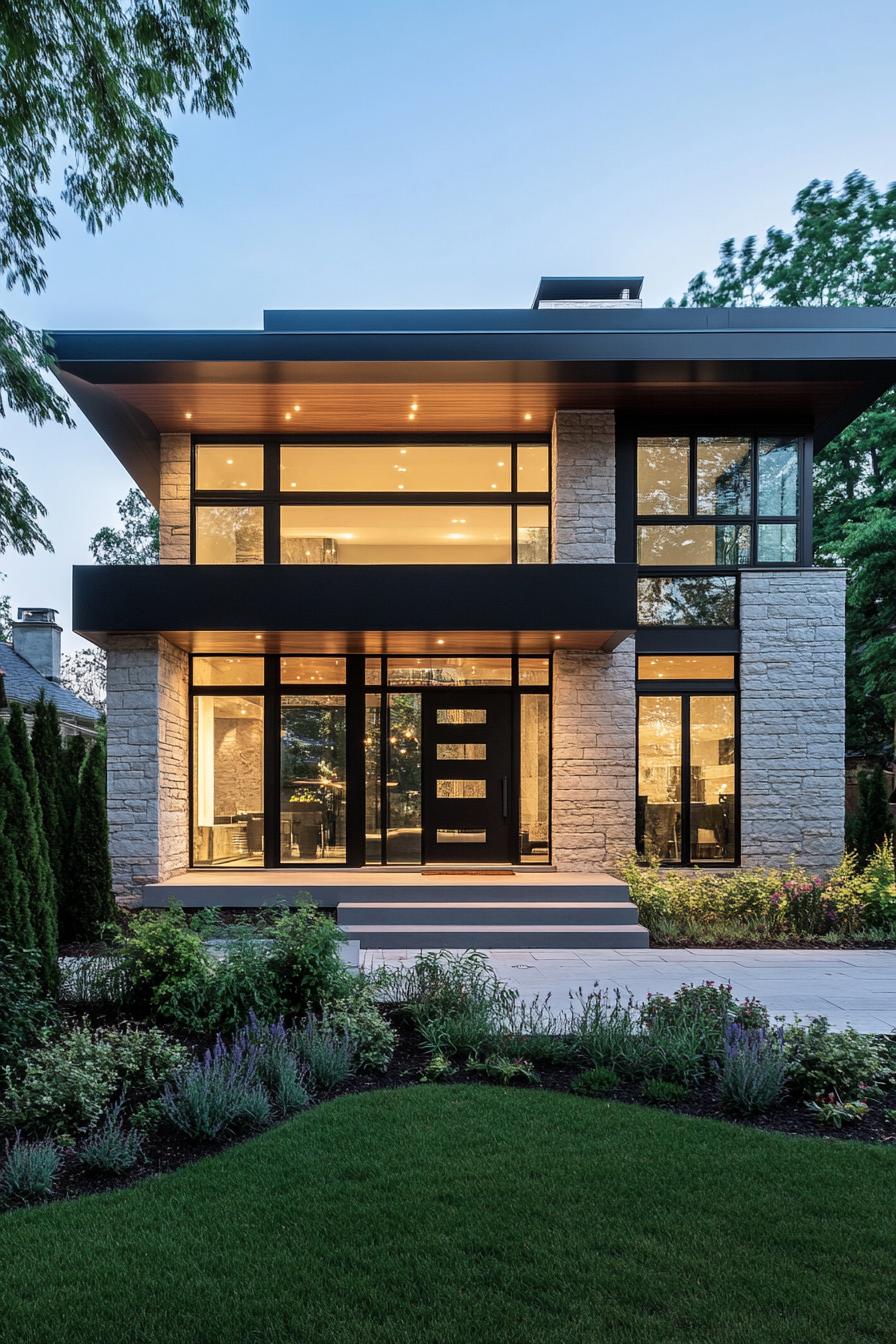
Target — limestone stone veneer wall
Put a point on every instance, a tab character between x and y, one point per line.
792	716
593	742
174	499
147	707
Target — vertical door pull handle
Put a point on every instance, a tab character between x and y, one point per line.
504	795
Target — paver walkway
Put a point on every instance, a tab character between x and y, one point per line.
856	988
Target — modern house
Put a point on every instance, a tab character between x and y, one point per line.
456	608
31	666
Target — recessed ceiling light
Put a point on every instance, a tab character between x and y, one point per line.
493	486
288	415
558	636
403	451
292	485
401	487
527	415
414	406
243	485
258	636
412	416
230	461
188	415
440	641
297	407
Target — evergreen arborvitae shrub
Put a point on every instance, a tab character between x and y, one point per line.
92	904
71	763
18	861
872	820
46	746
39	874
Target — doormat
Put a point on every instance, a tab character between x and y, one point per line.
468	872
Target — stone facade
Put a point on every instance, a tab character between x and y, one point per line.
147	707
593	740
174	499
792	716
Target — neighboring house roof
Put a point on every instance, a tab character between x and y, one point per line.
23	685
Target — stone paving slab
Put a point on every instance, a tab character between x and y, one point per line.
856	988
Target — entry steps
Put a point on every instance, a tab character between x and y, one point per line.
561	912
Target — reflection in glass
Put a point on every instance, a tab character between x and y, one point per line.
228	788
373	838
461	835
694	544
403	769
229	466
535	671
704	600
385	534
686	667
723	475
532	534
483	671
460	788
460	751
229	534
535	769
312	778
228	671
776	543
342	468
373	671
533	468
460	715
778	472
311	669
663	475
712	779
659	777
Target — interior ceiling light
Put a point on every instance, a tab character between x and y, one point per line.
440	641
230	461
414	406
412	416
403	451
558	636
527	415
288	415
188	415
297	407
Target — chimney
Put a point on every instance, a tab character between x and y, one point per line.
38	639
589	291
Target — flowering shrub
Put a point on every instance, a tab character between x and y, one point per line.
753	1070
219	1093
823	1061
832	1110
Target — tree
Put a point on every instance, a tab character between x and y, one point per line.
5	613
136	541
872	820
842	250
86	95
92	903
16	827
71	762
29	839
84	674
46	746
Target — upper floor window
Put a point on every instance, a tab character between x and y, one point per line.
717	501
371	503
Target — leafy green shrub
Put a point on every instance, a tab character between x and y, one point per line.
304	960
832	1110
444	984
28	1171
438	1067
468	1031
65	1083
753	1070
243	981
605	1032
823	1061
505	1070
24	1007
219	1094
327	1052
168	968
359	1017
877	887
532	1030
111	1147
595	1082
872	820
663	1092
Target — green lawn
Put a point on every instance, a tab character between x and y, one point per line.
472	1214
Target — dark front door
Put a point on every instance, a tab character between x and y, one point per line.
467	776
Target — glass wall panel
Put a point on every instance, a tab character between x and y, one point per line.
228	780
694	544
532	534
686	667
535	773
229	466
373	671
704	600
533	467
778	472
403	780
373	817
659	776
311	669
449	671
723	475
663	469
535	671
342	468
312	778
373	534
229	534
712	779
776	543
228	671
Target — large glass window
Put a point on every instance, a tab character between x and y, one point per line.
686	667
228	670
533	468
659	776
377	468
778	477
404	789
387	534
712	778
723	475
228	780
699	600
229	466
722	546
663	475
229	534
484	671
312	779
535	762
532	534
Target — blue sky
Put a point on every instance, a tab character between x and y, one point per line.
447	154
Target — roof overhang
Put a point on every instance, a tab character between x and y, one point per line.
503	371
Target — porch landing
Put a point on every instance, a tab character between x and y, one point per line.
437	907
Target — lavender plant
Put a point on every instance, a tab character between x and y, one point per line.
326	1051
28	1171
111	1147
752	1073
220	1093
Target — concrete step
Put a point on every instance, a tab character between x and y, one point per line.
488	890
465	936
384	913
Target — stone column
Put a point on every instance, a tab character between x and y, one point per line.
174	499
593	740
147	779
792	716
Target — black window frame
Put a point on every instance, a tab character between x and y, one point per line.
271	498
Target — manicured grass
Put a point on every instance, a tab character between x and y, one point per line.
472	1214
